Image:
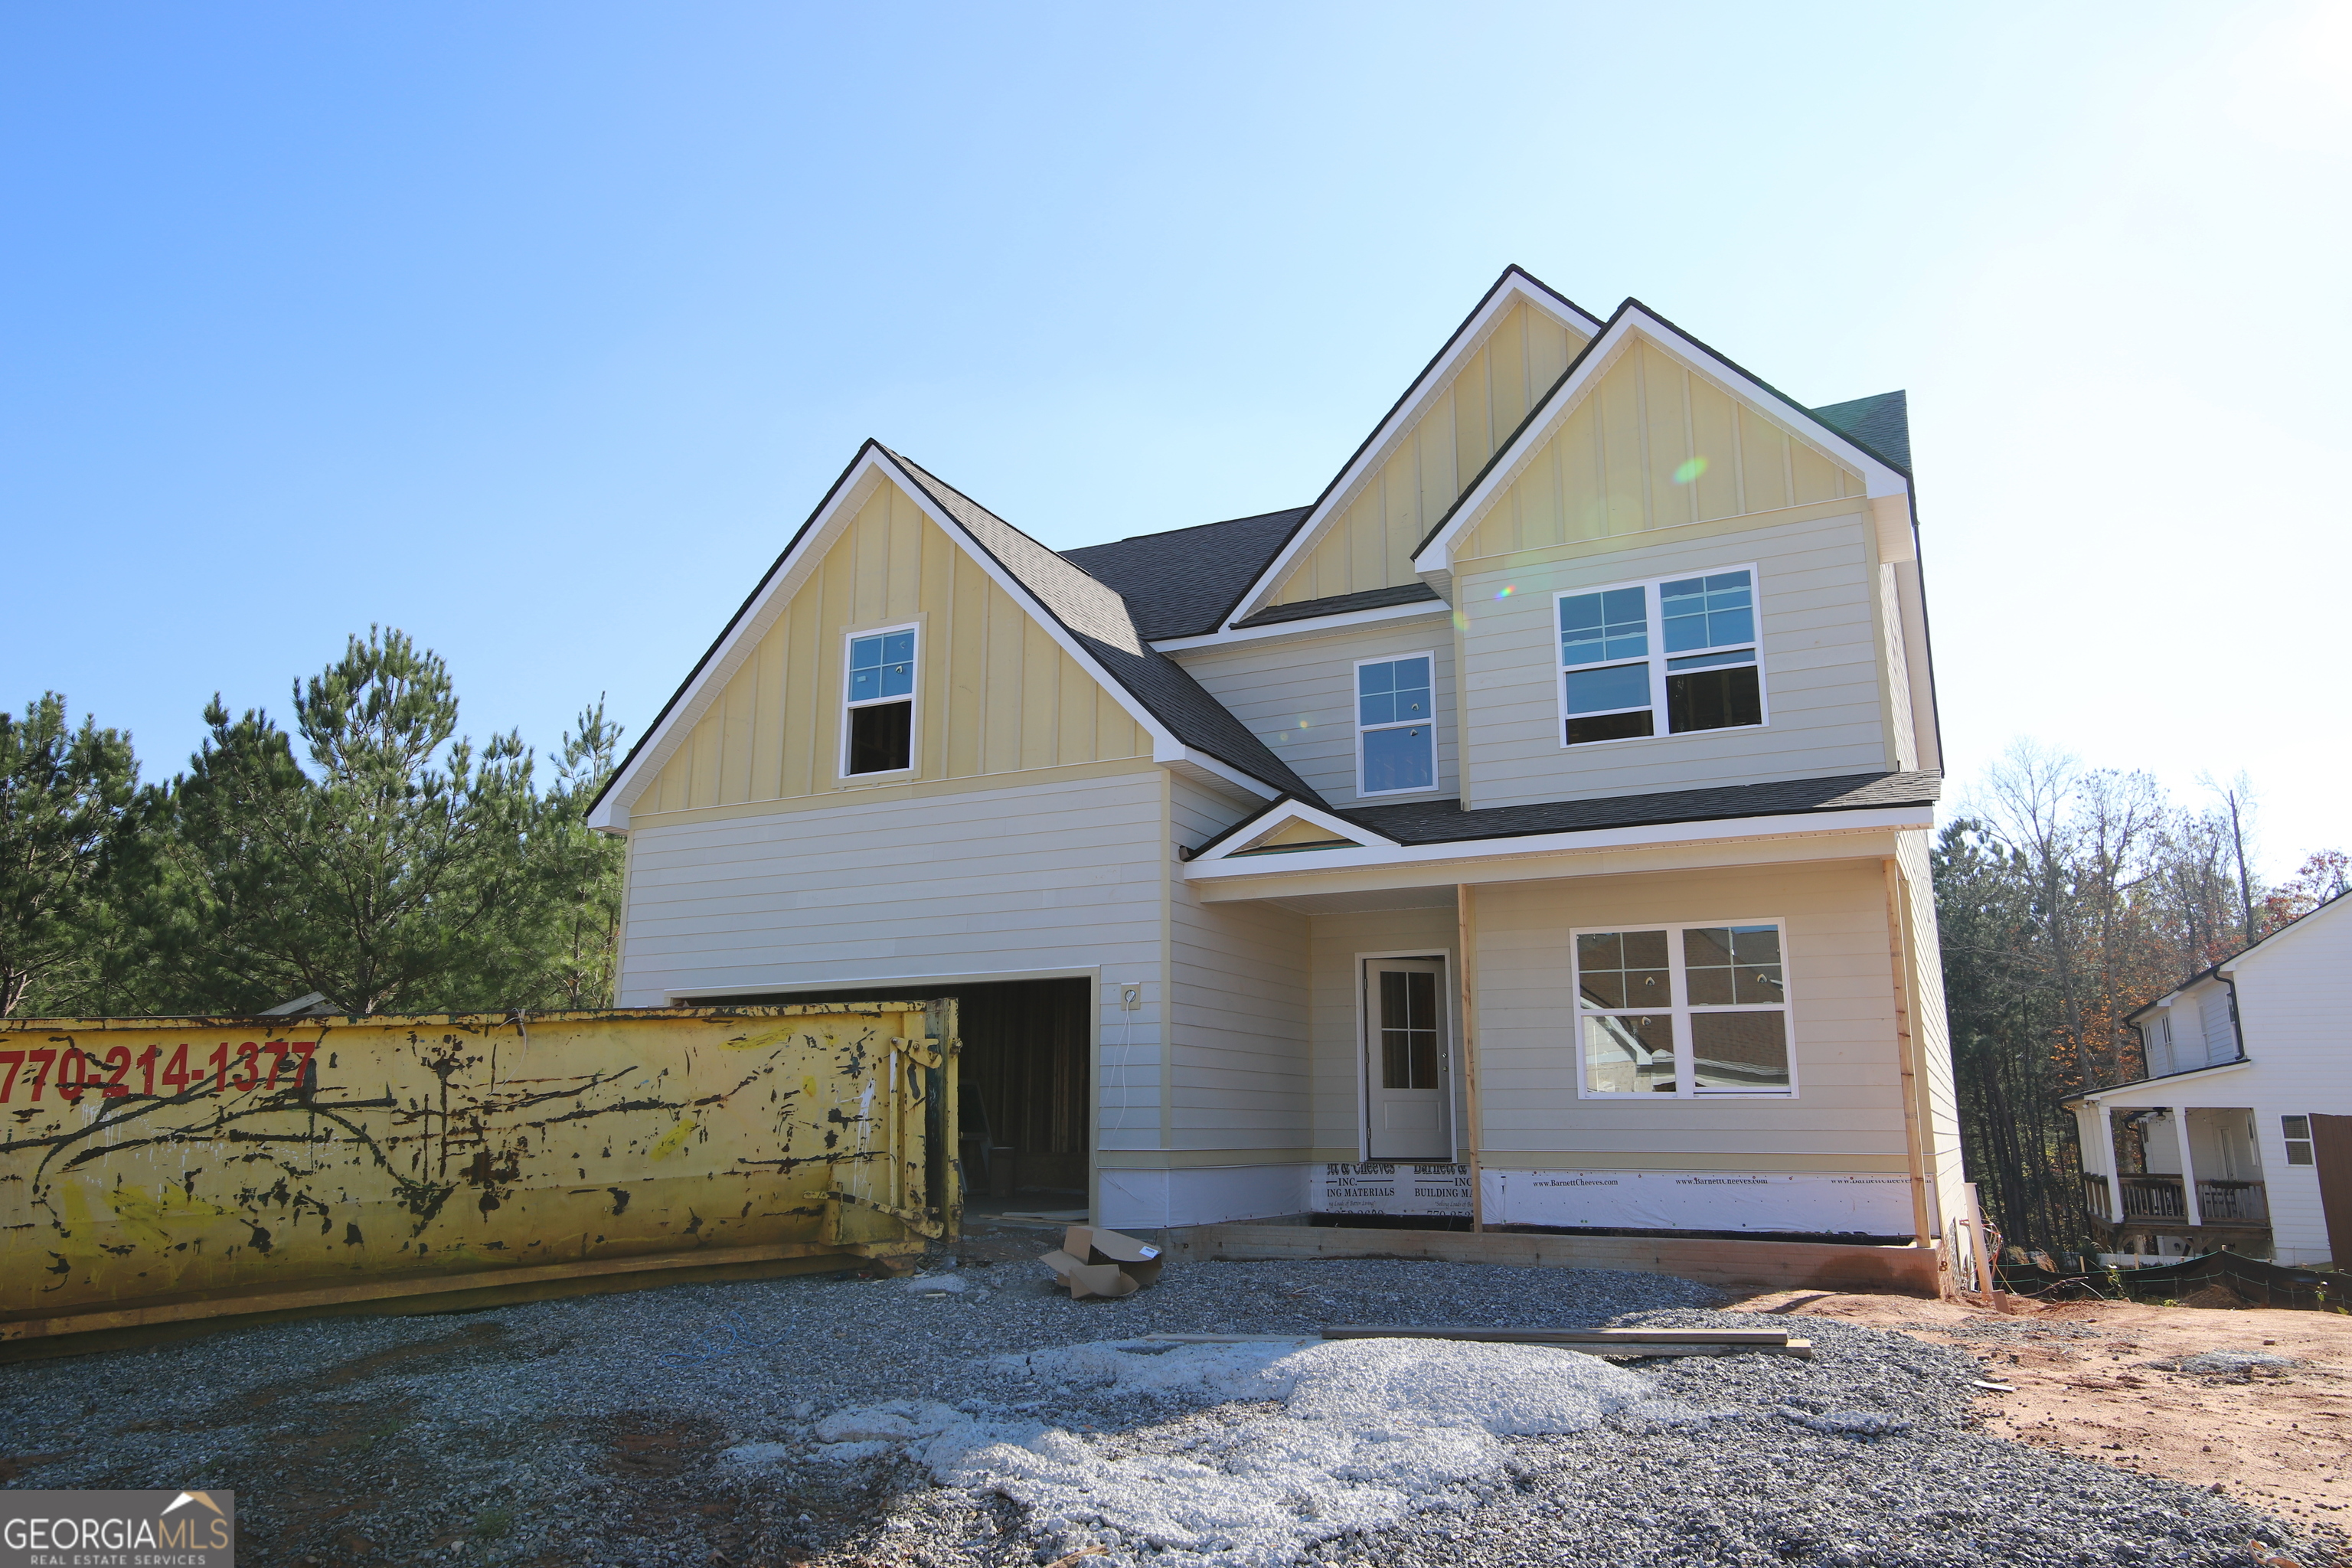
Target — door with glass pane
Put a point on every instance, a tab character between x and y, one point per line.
1406	1060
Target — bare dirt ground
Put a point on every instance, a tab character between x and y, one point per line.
2102	1380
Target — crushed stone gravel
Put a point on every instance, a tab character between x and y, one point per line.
665	1427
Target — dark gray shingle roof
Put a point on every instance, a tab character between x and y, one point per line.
1183	582
1444	821
1340	603
1100	619
1882	424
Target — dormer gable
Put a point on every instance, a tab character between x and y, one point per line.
1020	661
1650	428
1359	537
1291	827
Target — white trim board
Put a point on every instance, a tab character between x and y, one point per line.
1237	839
1310	627
1717	830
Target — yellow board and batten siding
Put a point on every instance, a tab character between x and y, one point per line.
1653	444
994	693
155	1170
1371	543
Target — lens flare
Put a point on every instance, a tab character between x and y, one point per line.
1690	470
1508	590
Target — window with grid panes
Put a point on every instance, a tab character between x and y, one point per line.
1686	1010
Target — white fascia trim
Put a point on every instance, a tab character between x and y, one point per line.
1292	811
1877	819
1514	289
1207	764
2155	1086
872	468
1878	479
1313	625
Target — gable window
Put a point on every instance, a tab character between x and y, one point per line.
2298	1139
1692	1011
878	703
1674	656
1396	738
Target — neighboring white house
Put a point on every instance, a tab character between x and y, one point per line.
1535	824
2254	1059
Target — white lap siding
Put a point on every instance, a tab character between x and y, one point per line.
1824	682
1059	877
1234	1083
1299	697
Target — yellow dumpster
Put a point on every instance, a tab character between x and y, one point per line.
153	1169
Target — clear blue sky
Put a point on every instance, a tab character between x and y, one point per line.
535	330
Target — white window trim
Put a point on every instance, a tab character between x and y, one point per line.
1654	610
914	700
1356	713
1682	1012
1452	996
2287	1142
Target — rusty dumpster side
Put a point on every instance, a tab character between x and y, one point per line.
156	1170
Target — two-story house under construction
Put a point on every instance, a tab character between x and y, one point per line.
1533	826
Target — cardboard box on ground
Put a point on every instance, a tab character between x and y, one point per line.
1094	1262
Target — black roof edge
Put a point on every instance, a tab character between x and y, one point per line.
903	464
1188	528
2215	968
1510	272
1285	798
647	733
1310	609
1645	822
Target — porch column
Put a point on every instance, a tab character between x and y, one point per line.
2115	1164
2189	1204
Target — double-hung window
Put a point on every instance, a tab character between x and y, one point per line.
2297	1129
1680	648
1687	1010
878	727
1396	735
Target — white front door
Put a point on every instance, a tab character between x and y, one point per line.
1405	1059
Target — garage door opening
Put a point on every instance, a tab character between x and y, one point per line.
1025	1131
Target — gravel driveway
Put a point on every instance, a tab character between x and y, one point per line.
679	1426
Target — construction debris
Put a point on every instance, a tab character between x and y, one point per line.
1095	1262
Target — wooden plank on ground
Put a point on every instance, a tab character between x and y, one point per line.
1557	1336
1601	1341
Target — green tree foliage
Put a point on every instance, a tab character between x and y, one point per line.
2066	900
575	876
65	796
373	855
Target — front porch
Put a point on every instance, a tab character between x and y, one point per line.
2175	1181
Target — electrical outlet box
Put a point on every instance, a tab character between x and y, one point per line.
1130	998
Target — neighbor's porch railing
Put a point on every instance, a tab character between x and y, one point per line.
2232	1203
2161	1198
2095	1198
2153	1197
